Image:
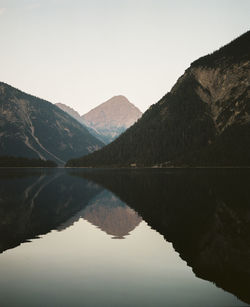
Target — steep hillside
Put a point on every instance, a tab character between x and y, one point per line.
34	128
112	117
203	121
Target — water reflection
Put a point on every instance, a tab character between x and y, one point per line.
108	213
34	202
111	215
204	213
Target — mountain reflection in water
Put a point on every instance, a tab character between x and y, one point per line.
204	213
109	214
34	202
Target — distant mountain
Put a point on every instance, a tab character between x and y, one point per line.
203	121
108	120
112	117
34	128
70	111
77	116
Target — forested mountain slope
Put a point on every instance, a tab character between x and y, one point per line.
203	121
34	128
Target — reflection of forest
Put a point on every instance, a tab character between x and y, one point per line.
34	202
204	213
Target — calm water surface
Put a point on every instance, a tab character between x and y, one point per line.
124	238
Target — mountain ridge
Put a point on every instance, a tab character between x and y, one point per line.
107	120
203	121
112	117
35	128
73	113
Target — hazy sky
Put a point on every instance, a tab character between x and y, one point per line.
83	52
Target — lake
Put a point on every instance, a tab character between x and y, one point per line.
138	237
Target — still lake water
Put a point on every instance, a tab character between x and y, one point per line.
78	237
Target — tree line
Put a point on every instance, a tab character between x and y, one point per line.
10	161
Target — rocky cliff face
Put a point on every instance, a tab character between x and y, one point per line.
34	128
224	90
112	117
203	121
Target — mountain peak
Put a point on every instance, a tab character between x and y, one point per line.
118	99
114	102
113	116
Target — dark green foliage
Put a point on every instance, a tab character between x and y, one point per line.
231	148
203	212
238	50
8	161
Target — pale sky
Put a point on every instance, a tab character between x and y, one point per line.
83	52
